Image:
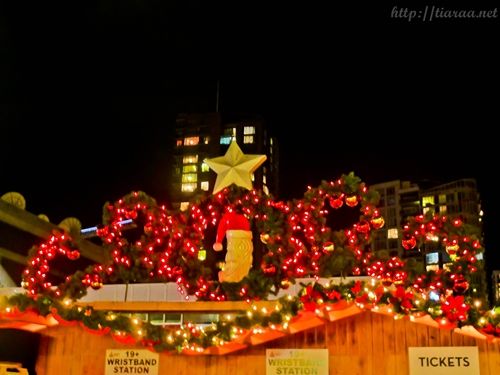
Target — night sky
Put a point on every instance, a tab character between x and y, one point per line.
89	97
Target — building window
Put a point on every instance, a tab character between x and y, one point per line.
189	177
442	198
189	168
190	159
248	130
265	189
392	244
442	210
206	140
225	139
392	217
188	187
191	141
428	201
204	185
381	194
231	132
391	196
205	167
392	233
264	179
178	143
248	139
252	177
184	206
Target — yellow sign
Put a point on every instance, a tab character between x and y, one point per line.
120	361
297	362
444	360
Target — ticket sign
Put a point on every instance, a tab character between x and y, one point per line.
120	361
297	362
444	360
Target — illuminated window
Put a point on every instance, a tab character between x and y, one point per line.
428	201
184	206
265	189
264	179
205	167
189	168
191	141
271	141
178	143
252	177
432	267
442	209
248	130
225	139
248	139
442	198
204	185
206	139
188	187
392	233
425	210
189	177
190	159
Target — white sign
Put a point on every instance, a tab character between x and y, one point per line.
444	360
120	361
296	361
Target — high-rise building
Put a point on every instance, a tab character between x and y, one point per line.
401	199
208	135
398	200
457	197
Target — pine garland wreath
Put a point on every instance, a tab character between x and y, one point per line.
294	242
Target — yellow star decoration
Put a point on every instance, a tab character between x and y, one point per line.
234	167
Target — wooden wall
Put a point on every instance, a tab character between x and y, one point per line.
367	343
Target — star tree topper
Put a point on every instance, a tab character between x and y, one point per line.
234	167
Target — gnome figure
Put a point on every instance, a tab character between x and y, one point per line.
236	227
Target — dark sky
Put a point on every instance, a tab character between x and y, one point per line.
90	91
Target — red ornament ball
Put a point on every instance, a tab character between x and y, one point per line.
452	249
285	284
461	285
269	270
328	246
409	243
377	222
363	226
336	202
352	200
73	255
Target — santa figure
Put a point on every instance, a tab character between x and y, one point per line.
236	227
